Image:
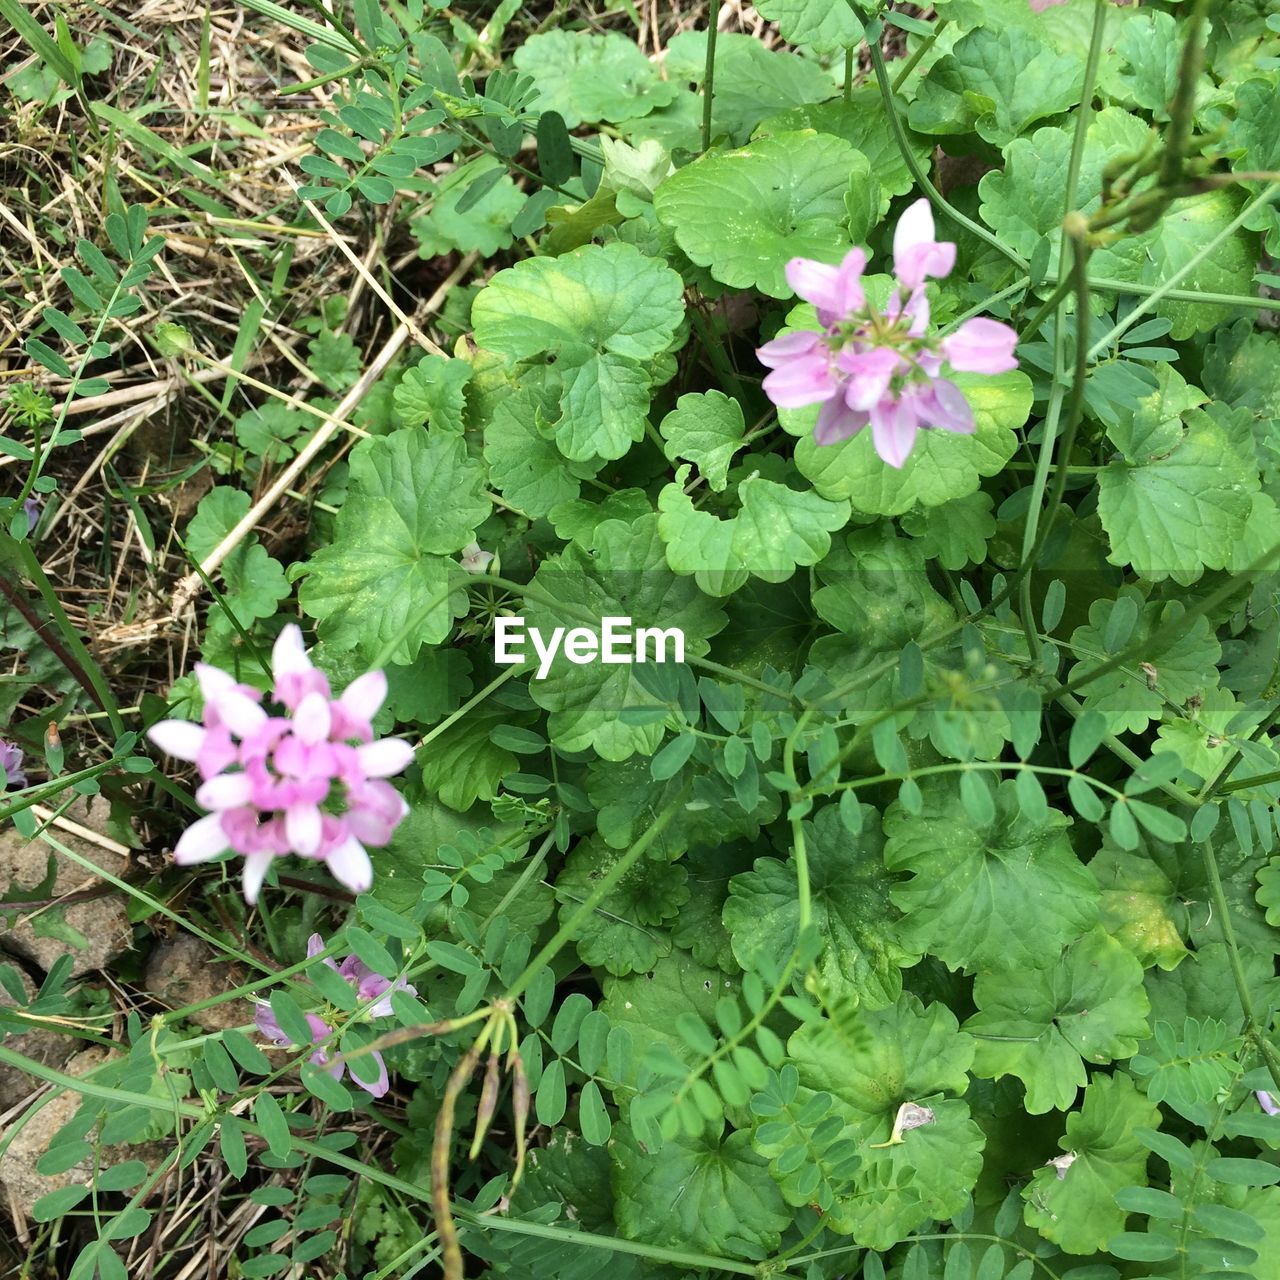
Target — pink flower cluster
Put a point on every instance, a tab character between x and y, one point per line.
868	366
368	986
308	782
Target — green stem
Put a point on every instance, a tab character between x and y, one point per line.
913	165
1166	288
709	78
1182	112
910	62
601	891
1268	1051
71	638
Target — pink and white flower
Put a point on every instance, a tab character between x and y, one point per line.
368	986
309	782
868	367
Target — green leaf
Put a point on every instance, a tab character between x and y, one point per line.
997	81
625	933
1176	504
871	1063
710	1194
861	957
942	466
524	464
863	124
744	214
588	78
822	26
776	530
1142	906
464	764
1041	1024
751	82
646	1005
705	428
625	576
1072	1201
484	228
1184	664
604	312
1000	896
383	581
433	393
1185	230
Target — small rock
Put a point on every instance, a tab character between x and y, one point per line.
184	970
23	1185
40	934
50	1047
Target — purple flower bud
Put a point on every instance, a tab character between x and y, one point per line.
11	765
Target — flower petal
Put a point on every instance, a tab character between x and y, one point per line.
364	696
201	841
815	282
312	720
289	654
178	738
893	430
225	791
255	872
787	347
981	345
803	381
836	422
916	254
303	827
349	863
950	410
240	713
384	758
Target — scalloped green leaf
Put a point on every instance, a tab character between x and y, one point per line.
942	466
603	313
1000	895
861	958
744	214
384	580
1042	1025
872	1062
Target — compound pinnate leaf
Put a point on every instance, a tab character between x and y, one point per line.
711	1194
862	957
776	529
942	466
383	581
1072	1200
1038	1024
1183	663
603	312
995	896
744	214
872	1063
624	575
